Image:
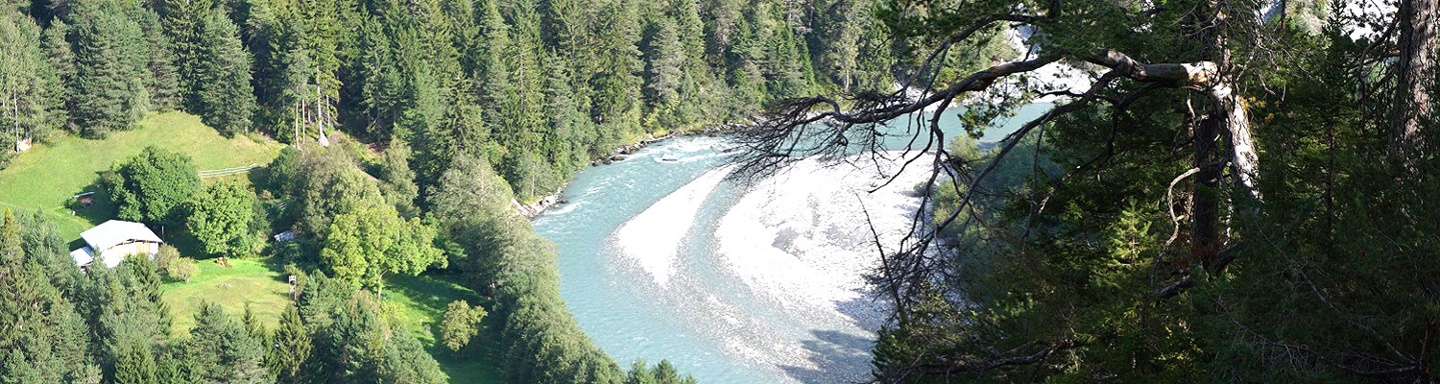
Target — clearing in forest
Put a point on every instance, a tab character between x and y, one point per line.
48	175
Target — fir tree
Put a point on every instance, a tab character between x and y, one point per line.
290	348
223	351
223	93
110	74
164	82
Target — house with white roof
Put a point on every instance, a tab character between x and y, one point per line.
112	240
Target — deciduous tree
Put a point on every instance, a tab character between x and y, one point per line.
151	185
460	324
220	216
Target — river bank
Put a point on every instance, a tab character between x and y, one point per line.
621	153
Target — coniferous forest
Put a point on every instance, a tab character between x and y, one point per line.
451	109
1244	192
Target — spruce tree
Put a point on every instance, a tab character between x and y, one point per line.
164	81
223	351
58	52
224	96
493	72
664	60
109	90
289	349
617	83
26	84
135	364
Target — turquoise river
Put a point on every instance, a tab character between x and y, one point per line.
661	256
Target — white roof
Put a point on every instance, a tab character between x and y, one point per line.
82	256
116	232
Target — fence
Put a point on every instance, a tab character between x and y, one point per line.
228	171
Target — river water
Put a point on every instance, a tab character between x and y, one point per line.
661	256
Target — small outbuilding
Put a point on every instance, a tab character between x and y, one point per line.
85	199
112	240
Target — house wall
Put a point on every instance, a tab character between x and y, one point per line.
119	252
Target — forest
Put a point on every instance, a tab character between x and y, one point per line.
412	128
1243	192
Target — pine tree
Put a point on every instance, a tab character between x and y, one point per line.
164	82
380	81
27	84
222	349
110	74
571	131
492	76
617	83
224	95
45	339
135	364
664	60
289	349
58	51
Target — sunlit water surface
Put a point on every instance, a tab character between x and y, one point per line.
662	257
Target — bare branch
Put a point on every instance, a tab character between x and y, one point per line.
954	366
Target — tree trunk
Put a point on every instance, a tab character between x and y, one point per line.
1205	202
1416	73
1225	122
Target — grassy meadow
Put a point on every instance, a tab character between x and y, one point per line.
47	176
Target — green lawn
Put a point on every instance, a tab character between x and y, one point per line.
420	302
417	301
49	174
246	281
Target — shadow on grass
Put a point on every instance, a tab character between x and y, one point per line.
186	243
101	208
477	362
433	293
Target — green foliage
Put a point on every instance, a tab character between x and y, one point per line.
361	237
461	323
353	343
324	185
109	85
29	82
499	253
135	365
1097	267
475	104
182	268
361	247
532	176
220	216
662	373
472	204
221	351
397	180
163	84
44	338
165	256
223	96
130	321
291	348
152	185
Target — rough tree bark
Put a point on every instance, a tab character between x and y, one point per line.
1416	73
